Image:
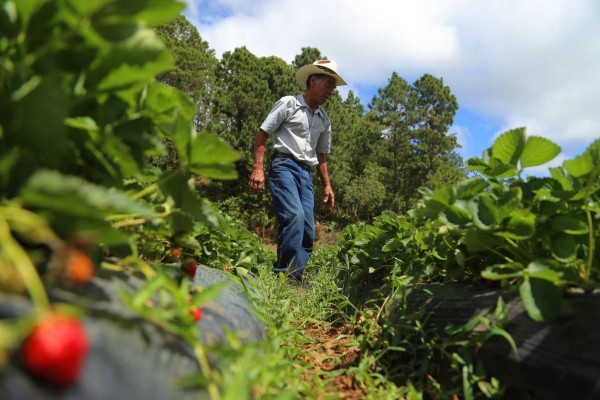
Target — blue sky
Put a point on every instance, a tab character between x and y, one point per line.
510	63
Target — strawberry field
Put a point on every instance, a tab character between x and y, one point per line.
118	280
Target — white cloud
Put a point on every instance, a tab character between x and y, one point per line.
533	62
463	137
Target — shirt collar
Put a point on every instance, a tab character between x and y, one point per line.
300	98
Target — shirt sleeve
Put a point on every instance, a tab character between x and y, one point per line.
279	113
324	141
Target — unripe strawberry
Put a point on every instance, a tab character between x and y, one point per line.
55	350
79	267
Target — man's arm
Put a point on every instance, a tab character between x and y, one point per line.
257	178
329	198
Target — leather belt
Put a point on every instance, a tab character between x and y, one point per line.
278	154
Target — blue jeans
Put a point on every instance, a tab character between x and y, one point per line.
293	199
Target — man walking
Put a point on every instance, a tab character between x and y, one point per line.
302	138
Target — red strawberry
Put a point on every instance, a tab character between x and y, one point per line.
491	283
227	268
196	312
55	350
175	252
190	269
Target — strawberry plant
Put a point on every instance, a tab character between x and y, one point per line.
393	245
538	234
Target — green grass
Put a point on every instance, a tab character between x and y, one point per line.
281	367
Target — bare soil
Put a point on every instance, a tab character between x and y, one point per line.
332	348
323	237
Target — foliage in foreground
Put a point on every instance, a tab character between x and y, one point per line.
80	113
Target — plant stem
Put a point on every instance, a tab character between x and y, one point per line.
139	221
145	191
213	389
25	268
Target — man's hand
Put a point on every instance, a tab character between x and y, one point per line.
257	181
329	198
257	178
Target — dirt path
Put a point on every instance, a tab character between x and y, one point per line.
331	349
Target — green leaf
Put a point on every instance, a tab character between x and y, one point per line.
7	163
569	225
206	293
213	158
45	134
509	146
493	168
542	299
486	388
85	123
544	270
99	230
169	104
477	240
173	113
116	155
26	88
136	60
87	8
430	208
175	185
494	330
538	151
486	214
563	247
580	166
444	195
148	290
503	271
8	19
468	188
157	12
594	150
181	222
520	225
477	164
501	312
466	381
71	195
500	170
115	30
26	8
458	214
562	176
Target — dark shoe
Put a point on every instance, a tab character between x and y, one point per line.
296	280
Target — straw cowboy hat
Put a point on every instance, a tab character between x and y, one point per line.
325	67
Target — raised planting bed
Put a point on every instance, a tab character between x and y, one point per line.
555	360
129	357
